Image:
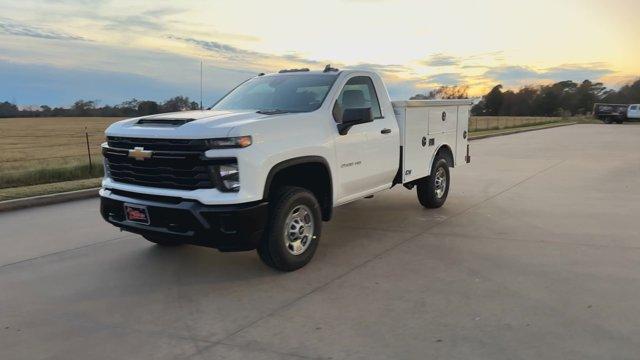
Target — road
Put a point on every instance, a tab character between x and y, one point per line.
535	256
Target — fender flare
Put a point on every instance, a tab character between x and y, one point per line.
296	161
433	157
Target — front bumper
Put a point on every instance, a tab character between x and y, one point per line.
224	227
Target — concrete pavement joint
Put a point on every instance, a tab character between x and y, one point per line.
570	243
66	250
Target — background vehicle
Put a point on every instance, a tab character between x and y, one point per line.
610	113
633	112
264	167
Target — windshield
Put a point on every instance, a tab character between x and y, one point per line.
279	93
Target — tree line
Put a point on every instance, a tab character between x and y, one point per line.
564	98
84	108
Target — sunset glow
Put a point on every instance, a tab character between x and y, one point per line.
112	50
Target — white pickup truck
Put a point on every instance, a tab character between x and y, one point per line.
266	165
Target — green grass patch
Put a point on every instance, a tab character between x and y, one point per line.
47	189
514	130
50	174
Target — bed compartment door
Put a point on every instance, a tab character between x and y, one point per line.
415	144
462	135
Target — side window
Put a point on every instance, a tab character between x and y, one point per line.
358	92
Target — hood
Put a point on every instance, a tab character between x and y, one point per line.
184	125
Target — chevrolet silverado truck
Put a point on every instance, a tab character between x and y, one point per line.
267	164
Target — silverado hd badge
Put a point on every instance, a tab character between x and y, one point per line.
139	153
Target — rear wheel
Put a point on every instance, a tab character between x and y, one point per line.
294	228
433	189
163	241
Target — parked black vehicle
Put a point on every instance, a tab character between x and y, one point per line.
610	113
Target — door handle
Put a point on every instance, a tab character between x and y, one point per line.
385	131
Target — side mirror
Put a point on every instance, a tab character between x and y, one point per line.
354	116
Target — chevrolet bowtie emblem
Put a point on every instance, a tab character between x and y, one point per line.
140	153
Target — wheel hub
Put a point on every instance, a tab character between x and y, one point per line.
298	230
441	182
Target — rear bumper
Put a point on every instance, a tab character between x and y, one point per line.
225	227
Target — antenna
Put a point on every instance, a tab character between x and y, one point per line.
201	84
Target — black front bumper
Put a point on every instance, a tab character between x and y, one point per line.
224	227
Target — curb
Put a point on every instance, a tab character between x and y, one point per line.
47	199
507	132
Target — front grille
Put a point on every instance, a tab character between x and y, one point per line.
182	168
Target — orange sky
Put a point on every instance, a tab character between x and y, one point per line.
416	45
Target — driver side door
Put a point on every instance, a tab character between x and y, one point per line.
363	156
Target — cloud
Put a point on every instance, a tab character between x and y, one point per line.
247	58
438	60
514	75
380	68
445	79
224	50
577	72
13	28
511	73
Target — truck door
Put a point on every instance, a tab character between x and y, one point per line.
367	156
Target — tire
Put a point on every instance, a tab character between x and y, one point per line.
606	120
431	192
293	230
163	241
619	121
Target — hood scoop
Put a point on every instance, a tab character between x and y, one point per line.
164	122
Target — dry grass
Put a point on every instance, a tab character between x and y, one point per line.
44	150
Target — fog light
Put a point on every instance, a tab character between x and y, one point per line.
229	176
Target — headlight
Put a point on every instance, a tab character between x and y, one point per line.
229	177
230	142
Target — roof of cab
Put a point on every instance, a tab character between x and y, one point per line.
319	72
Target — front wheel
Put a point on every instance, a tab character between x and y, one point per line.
433	189
293	231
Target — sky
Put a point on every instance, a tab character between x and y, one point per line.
57	51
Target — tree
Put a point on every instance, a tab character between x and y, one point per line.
493	101
444	92
178	103
83	107
586	94
148	108
8	109
628	94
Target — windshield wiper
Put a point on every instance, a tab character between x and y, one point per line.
272	111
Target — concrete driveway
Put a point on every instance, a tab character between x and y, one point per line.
536	255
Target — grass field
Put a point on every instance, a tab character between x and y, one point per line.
36	151
45	150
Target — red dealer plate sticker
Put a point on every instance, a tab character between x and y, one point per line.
137	213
